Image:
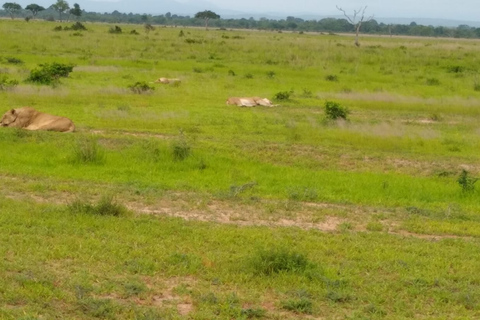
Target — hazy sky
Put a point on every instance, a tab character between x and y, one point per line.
468	10
450	9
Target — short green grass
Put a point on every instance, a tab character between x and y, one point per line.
168	204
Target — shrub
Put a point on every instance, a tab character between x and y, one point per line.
13	60
134	32
77	26
282	95
50	73
181	149
331	77
58	28
141	87
277	260
115	30
181	34
456	69
466	181
249	76
106	206
271	74
334	111
231	73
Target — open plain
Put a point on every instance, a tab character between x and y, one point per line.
222	212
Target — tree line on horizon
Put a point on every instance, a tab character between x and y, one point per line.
61	10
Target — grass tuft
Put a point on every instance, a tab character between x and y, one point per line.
276	260
87	151
106	206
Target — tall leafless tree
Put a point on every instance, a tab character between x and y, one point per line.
356	20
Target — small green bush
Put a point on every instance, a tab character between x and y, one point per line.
466	181
282	95
13	60
77	26
271	74
181	150
58	28
334	111
141	87
331	77
50	73
277	260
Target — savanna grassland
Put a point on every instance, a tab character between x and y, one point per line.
169	204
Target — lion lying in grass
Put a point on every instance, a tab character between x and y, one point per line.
249	102
31	119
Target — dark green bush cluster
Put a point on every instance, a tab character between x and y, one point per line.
106	206
50	73
134	32
13	60
141	87
331	77
334	111
282	95
115	30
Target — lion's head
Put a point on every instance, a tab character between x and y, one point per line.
9	118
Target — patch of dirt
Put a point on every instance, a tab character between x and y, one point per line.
326	217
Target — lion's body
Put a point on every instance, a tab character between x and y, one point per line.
31	119
249	102
167	80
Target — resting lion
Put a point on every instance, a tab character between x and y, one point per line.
250	102
167	80
31	119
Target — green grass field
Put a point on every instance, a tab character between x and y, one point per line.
172	205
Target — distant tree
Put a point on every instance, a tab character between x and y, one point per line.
34	8
355	21
12	8
61	6
206	15
76	11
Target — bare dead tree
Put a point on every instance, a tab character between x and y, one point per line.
356	20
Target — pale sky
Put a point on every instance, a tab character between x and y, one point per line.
468	10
